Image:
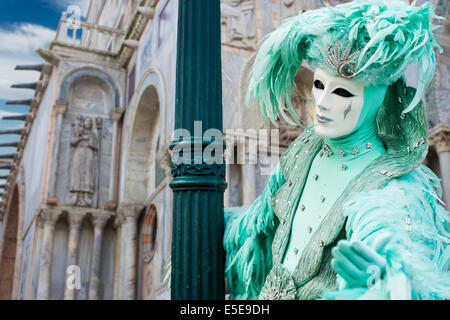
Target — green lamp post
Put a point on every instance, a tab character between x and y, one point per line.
199	179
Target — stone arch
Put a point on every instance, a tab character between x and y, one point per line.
90	73
143	126
10	245
142	148
59	258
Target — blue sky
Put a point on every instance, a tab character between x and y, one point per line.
24	27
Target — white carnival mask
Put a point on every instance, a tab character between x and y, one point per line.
337	104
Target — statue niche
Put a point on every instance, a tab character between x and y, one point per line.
85	146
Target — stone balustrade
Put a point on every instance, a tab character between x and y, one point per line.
88	36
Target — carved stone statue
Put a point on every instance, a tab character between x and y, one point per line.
238	25
85	144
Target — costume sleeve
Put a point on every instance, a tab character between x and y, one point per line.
249	232
418	254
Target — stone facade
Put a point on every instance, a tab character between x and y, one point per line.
87	201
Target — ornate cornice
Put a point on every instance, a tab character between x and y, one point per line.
440	138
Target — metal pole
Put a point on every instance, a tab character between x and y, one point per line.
198	187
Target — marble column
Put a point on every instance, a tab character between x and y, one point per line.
60	108
99	221
75	220
128	254
49	218
440	140
116	114
34	271
117	261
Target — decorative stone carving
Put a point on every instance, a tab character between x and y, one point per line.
129	211
165	159
238	23
198	170
85	145
440	138
49	216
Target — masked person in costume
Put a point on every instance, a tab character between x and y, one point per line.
350	212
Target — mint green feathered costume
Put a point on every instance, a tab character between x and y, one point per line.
394	194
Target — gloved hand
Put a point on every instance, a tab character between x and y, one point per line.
358	264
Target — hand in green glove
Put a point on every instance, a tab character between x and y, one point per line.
358	264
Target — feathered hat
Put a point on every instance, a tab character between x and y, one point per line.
372	41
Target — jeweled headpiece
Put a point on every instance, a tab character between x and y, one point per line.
341	62
381	38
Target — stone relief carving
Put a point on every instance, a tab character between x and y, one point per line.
85	146
238	23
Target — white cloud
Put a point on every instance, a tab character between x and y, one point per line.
19	43
62	5
24	38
